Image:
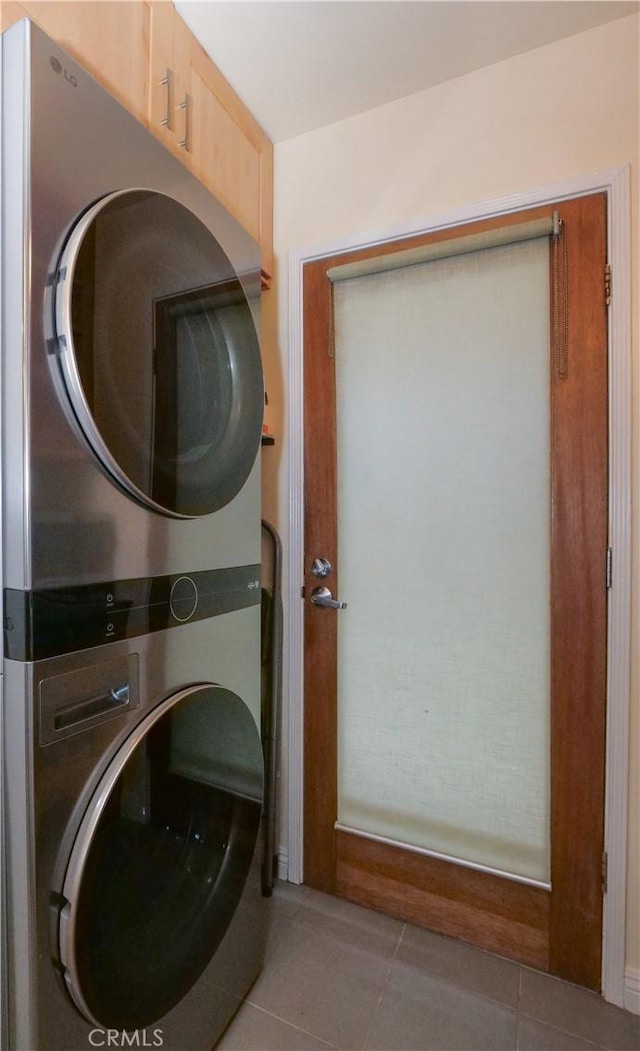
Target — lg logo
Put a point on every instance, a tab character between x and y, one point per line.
57	67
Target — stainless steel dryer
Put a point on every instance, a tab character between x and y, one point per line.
134	787
132	382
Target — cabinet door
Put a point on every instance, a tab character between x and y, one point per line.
223	157
109	38
227	149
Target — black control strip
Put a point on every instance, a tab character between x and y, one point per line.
52	621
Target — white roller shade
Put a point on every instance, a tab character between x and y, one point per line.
442	372
444	249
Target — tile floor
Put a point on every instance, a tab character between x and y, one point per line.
339	976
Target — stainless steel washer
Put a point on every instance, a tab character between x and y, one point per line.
134	803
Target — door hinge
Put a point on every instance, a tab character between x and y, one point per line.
302	592
607	284
605	871
609	569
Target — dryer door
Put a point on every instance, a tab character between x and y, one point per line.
157	351
161	858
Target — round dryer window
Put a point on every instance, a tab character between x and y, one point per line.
159	353
161	859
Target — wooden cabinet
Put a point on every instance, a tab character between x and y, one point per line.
145	55
110	39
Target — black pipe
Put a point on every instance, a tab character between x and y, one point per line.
270	742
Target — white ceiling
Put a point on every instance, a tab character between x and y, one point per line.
302	64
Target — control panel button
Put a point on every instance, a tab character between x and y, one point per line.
183	599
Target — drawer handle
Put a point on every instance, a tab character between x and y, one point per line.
73	714
185	143
167	120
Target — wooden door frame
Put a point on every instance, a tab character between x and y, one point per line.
616	184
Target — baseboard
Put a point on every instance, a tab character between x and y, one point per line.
632	991
283	864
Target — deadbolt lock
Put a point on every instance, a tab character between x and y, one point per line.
321	567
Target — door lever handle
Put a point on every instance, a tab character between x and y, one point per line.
323	597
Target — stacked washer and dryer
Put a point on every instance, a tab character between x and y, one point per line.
132	404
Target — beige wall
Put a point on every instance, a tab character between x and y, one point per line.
566	110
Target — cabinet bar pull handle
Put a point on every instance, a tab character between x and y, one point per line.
185	143
167	121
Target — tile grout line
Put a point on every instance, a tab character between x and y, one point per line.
565	1032
292	1025
484	996
518	1008
392	960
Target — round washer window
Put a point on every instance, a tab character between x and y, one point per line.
159	353
161	858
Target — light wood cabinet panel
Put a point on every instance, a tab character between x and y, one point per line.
110	39
222	155
9	13
231	153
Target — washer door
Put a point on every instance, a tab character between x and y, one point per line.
158	353
161	858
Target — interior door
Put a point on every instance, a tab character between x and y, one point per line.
518	621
